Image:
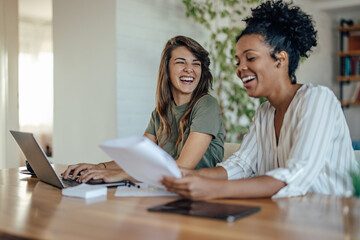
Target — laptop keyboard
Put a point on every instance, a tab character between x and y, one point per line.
70	182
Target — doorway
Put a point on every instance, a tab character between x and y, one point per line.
36	71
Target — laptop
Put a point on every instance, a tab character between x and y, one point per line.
39	162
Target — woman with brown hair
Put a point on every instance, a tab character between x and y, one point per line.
186	122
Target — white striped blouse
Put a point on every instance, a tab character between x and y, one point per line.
314	153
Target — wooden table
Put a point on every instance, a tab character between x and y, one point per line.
32	209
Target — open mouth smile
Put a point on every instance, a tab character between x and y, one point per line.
187	79
247	79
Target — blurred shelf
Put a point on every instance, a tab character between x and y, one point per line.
349	53
348	78
349	29
349	103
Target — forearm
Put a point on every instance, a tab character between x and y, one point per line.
256	187
194	149
214	173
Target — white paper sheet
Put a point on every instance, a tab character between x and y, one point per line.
142	159
144	190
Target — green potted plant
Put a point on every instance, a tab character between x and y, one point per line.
223	21
355	176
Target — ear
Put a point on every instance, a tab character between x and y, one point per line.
282	59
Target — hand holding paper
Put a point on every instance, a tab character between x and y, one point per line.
142	159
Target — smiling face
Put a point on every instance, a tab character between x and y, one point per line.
185	74
258	71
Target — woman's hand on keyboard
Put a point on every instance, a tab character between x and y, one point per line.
107	175
76	169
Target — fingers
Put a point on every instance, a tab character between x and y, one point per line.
191	187
87	175
173	180
108	175
178	185
70	168
78	170
87	172
168	182
182	193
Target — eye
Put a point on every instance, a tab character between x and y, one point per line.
250	57
196	64
179	62
236	61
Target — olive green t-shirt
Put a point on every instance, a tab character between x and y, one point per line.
205	117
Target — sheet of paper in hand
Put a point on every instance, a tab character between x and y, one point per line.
141	158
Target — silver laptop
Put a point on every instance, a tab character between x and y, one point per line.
38	160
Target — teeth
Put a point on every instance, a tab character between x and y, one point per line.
187	79
248	79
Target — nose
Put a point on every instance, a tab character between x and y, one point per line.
241	68
188	68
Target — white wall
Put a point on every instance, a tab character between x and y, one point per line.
84	79
143	28
9	151
315	69
91	104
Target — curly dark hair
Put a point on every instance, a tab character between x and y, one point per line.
284	28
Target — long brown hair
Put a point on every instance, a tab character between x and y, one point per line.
163	90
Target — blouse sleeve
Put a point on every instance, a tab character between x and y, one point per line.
151	126
313	131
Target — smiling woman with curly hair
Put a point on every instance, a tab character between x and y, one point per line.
299	141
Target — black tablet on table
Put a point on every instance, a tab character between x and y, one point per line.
227	212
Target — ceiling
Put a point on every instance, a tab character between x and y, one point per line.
337	5
42	9
39	9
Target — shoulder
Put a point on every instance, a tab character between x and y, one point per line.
309	93
315	102
154	113
207	100
207	106
312	89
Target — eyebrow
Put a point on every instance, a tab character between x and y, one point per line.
245	51
248	50
194	60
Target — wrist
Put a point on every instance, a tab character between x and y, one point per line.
102	165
